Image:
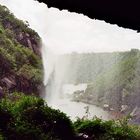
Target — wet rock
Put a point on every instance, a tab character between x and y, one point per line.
1	92
124	108
106	107
27	35
20	36
8	82
29	44
36	49
82	136
112	109
135	116
134	111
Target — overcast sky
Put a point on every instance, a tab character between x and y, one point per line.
65	32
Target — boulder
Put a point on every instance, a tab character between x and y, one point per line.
82	136
8	82
135	116
106	107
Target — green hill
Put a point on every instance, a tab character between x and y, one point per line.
118	83
20	59
113	79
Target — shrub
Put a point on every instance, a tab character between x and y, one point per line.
32	119
5	118
28	117
35	112
1	137
107	130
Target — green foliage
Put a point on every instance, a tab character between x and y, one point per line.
113	78
7	17
107	130
19	53
5	118
1	137
29	72
28	117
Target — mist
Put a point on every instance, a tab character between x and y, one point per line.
63	32
66	32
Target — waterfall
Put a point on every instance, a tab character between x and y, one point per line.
49	68
65	32
56	71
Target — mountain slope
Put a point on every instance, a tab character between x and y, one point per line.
21	65
113	79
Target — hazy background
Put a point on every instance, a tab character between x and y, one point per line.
65	32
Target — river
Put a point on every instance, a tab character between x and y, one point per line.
77	109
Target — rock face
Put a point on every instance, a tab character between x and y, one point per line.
113	79
20	56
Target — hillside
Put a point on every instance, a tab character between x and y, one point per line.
20	57
113	79
28	117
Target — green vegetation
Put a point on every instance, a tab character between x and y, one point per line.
25	117
15	25
113	79
28	117
98	129
20	56
120	84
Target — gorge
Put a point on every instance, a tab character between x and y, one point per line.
79	50
64	76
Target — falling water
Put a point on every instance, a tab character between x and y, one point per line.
57	79
63	32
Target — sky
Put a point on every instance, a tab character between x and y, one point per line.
66	32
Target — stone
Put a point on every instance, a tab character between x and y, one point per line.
9	83
1	90
124	108
106	107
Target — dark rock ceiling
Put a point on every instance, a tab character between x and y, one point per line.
125	13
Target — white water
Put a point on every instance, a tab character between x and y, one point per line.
65	32
76	109
58	94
